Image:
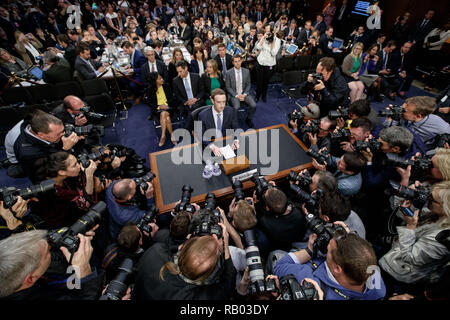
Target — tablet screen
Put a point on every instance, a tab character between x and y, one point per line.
36	72
292	48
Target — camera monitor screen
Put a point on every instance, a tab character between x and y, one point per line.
291	49
36	72
361	8
337	43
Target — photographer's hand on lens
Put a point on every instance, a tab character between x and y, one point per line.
321	167
367	154
91	169
340	123
80	120
312	138
293	124
19	209
347	146
149	192
405	174
343	225
244	283
70	141
320	86
82	256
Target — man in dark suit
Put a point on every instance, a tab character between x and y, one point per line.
218	119
422	29
291	33
153	65
259	15
56	69
319	24
223	59
188	90
341	17
185	33
304	34
357	36
384	68
87	68
238	86
102	35
137	60
326	42
403	67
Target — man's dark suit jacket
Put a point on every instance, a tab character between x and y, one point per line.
418	33
294	35
380	63
145	72
229	121
180	91
396	62
323	44
321	27
303	37
228	60
58	72
138	61
84	69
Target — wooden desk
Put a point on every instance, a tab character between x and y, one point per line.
170	177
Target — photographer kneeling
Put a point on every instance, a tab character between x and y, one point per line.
417	249
327	87
348	272
201	270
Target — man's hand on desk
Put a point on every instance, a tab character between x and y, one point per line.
216	150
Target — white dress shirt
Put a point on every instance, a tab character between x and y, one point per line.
267	55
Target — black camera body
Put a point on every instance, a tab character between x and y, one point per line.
312	127
373	144
209	225
316	77
442	139
395	112
261	185
185	204
304	179
296	116
322	157
339	113
291	289
84	158
420	167
419	196
323	231
9	194
84	131
118	287
210	204
67	237
142	181
151	215
341	135
238	190
86	111
311	201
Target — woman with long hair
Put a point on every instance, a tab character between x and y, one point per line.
161	101
12	63
367	73
350	70
211	79
198	63
28	47
177	55
114	21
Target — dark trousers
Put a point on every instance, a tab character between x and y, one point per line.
263	75
405	83
390	84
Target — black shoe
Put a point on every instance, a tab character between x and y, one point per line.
249	123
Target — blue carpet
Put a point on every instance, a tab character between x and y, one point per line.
140	134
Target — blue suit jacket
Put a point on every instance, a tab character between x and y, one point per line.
138	61
229	122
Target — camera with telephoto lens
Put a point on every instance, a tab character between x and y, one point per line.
238	190
86	111
255	267
185	204
149	216
291	289
322	157
339	113
340	135
394	112
311	201
420	166
324	232
9	194
442	139
316	77
84	131
298	115
210	203
208	225
303	179
67	237
373	144
261	185
118	287
142	181
419	196
85	159
311	127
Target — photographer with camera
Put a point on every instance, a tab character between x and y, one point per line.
12	219
418	117
343	140
280	223
327	87
417	248
201	269
346	169
39	138
74	189
123	202
25	258
268	47
298	117
321	136
348	272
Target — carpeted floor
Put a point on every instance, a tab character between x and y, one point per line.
141	134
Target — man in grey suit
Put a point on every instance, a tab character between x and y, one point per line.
87	68
237	82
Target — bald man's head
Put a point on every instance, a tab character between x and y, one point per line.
73	104
124	190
